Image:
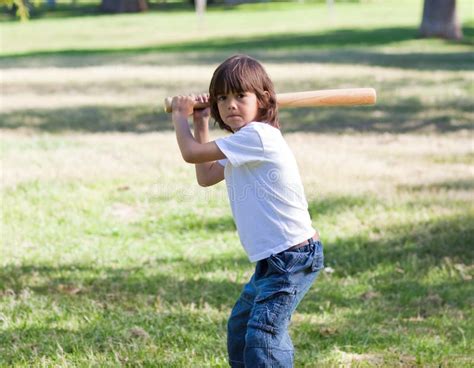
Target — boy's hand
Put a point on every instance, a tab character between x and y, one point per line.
201	116
183	105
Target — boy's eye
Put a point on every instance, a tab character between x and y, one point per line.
241	95
220	98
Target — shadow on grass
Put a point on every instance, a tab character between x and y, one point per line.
401	116
137	119
460	184
426	242
117	338
197	222
123	297
392	319
409	115
117	285
342	46
330	205
406	295
462	61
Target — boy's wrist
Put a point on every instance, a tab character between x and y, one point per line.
179	115
201	121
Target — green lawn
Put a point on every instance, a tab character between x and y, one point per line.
112	255
351	24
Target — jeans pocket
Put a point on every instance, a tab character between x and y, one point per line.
286	262
272	308
318	259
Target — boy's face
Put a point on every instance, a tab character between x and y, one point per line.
237	109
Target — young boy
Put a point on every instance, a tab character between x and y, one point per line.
267	201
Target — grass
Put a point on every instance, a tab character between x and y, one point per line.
183	31
113	256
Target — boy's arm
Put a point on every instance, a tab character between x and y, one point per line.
197	148
207	173
191	150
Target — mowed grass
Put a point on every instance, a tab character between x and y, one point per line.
112	255
251	26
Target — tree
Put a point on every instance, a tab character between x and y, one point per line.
123	6
19	7
200	6
439	20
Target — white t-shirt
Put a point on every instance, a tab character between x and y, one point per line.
265	190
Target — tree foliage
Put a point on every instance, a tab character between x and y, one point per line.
22	8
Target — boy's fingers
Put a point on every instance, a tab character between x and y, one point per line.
203	97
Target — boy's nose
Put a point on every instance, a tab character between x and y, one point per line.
231	104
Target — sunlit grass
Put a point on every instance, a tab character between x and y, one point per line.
112	255
157	29
122	256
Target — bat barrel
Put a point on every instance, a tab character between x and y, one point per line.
328	97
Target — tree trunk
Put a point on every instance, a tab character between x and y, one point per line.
200	6
123	6
439	20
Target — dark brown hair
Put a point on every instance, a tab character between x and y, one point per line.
241	73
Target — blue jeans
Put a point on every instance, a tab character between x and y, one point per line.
257	330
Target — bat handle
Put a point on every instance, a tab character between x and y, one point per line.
169	108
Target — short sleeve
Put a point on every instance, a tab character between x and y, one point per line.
243	147
222	162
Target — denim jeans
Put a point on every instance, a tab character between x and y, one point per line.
257	330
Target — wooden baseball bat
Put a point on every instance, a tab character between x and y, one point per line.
325	97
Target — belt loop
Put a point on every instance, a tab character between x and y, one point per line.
310	241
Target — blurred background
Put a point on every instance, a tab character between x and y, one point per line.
112	255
